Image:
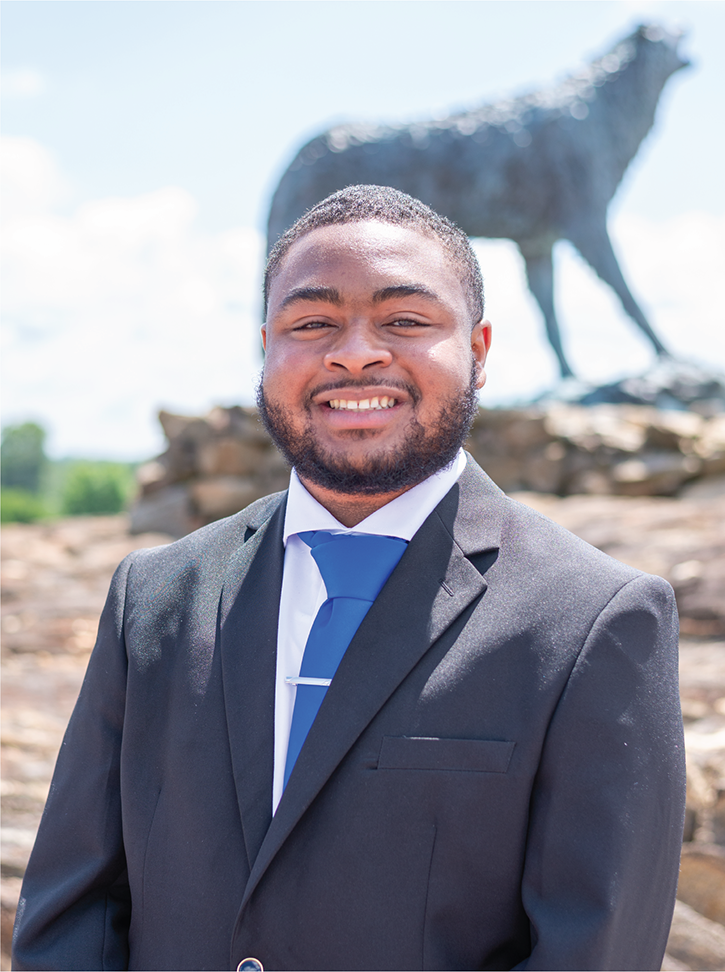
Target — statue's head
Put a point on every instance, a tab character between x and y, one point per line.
657	42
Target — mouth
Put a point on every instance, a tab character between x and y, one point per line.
370	408
373	404
361	398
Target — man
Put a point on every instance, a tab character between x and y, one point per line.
484	772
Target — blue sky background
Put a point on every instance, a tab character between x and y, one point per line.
142	141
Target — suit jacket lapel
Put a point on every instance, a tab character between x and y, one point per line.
247	633
412	611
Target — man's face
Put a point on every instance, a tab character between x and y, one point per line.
371	364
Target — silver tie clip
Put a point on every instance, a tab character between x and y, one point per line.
300	680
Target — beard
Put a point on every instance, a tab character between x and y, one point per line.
422	453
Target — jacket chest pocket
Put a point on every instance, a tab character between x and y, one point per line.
451	755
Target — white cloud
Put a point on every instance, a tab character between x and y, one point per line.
125	305
120	308
22	83
30	181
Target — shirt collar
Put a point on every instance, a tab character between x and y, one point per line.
401	517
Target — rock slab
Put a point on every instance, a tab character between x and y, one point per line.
216	464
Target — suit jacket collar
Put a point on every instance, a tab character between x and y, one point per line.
393	637
247	636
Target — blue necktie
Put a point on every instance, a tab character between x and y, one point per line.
354	568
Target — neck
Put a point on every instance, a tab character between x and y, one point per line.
349	508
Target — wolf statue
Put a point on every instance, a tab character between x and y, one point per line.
533	169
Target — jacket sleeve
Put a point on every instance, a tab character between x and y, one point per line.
75	904
607	809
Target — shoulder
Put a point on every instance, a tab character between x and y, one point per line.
562	561
546	583
548	541
545	554
210	547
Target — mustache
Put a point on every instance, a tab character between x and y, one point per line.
350	383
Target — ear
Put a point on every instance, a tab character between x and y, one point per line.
480	343
264	336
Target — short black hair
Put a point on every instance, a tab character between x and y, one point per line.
356	204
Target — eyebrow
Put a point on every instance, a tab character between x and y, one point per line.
404	290
329	295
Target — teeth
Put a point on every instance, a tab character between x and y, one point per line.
366	405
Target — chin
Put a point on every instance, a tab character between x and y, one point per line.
375	468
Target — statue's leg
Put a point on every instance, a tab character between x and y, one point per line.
596	248
540	274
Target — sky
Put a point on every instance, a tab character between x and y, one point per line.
142	141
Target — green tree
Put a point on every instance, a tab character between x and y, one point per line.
22	455
20	506
95	488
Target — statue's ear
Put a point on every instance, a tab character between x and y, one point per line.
644	32
651	32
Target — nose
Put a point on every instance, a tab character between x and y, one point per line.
358	348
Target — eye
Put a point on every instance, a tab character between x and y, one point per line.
312	326
406	322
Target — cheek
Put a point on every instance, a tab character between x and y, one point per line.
447	365
284	371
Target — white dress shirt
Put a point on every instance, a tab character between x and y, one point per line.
303	590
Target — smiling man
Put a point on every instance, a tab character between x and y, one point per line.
375	350
389	719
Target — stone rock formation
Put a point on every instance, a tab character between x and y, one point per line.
533	169
668	384
216	465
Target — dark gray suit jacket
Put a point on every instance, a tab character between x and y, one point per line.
495	778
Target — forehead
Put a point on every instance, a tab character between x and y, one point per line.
364	257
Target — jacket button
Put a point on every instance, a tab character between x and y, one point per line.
250	965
